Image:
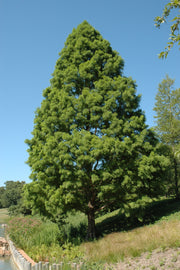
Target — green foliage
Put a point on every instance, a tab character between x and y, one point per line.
75	227
19	209
45	247
95	265
55	253
31	231
167	108
11	197
11	193
2	190
174	29
42	240
90	142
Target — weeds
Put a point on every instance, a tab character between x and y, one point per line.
161	263
174	259
149	255
153	267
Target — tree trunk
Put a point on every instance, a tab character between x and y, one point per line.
91	231
176	179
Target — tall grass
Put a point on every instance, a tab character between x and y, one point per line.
158	228
42	240
116	246
28	233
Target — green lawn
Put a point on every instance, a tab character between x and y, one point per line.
3	215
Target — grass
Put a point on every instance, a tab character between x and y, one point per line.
32	231
163	233
40	239
4	215
120	236
116	246
149	213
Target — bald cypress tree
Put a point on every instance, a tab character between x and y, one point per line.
90	143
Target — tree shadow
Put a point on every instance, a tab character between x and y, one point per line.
138	217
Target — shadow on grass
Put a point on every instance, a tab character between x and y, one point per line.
76	225
138	217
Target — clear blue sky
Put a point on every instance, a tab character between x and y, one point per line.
33	32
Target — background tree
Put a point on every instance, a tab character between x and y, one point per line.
174	32
2	190
91	148
11	193
167	108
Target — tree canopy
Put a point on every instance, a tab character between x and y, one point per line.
91	148
174	29
167	108
11	193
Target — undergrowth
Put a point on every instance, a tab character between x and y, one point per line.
120	236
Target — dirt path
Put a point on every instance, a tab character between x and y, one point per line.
168	259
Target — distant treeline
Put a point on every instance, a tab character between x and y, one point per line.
11	197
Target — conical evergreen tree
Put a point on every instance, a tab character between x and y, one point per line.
91	148
167	108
